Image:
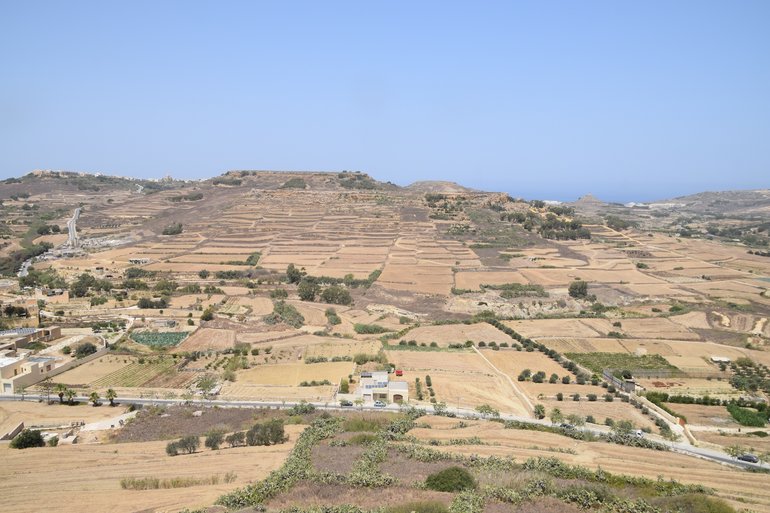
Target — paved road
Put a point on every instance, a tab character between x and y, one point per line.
682	448
72	229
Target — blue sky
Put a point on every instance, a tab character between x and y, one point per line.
550	99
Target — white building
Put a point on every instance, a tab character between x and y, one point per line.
16	371
376	386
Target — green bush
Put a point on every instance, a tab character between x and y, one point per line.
214	439
173	229
27	438
266	433
363	438
332	317
369	329
578	289
303	408
452	479
85	349
694	503
164	339
747	417
336	294
284	312
188	444
172	449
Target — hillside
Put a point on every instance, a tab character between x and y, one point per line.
286	288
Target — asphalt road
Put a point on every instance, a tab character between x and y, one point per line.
72	231
682	448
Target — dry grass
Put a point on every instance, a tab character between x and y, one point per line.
92	475
729	483
207	339
94	370
292	374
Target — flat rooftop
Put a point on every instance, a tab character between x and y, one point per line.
8	360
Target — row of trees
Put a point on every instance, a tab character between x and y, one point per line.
265	433
64	391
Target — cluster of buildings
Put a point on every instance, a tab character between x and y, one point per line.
19	367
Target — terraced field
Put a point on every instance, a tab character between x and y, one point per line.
137	374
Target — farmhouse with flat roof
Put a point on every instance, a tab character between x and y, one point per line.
376	386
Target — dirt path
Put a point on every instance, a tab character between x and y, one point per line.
516	390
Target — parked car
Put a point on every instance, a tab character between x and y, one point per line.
748	457
564	425
345	402
379	404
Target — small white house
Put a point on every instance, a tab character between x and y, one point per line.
376	386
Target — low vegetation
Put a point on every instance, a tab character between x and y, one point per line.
158	340
286	313
156	483
597	362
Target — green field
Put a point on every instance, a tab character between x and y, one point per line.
136	374
597	362
167	339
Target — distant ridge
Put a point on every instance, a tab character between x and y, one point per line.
588	199
438	186
737	202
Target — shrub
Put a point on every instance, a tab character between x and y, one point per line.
303	408
27	438
267	433
236	439
173	229
591	397
695	503
284	312
578	289
747	417
363	438
609	398
85	349
214	439
188	444
559	396
369	329
172	449
336	294
452	479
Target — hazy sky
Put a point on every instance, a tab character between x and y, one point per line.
627	100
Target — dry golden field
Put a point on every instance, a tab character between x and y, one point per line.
91	475
462	378
207	339
292	374
738	488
